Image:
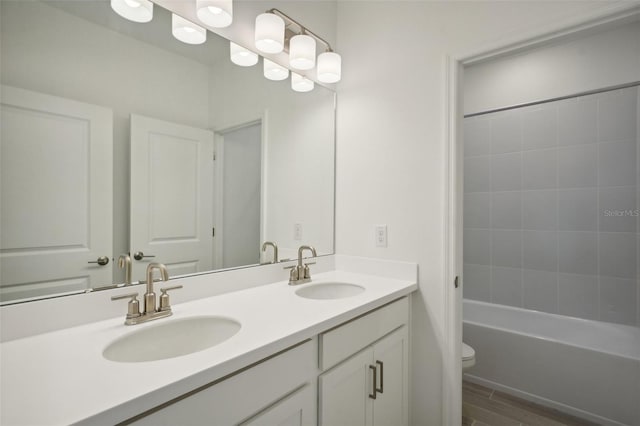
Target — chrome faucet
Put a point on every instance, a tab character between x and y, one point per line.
149	311
275	250
124	261
300	273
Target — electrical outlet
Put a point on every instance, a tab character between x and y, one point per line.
381	235
297	232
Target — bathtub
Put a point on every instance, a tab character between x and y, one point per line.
590	369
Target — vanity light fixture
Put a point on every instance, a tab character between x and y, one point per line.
300	83
133	10
302	52
273	71
276	28
186	31
269	36
215	13
241	56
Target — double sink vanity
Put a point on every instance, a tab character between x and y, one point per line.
241	347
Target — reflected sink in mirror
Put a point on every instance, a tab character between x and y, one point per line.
329	291
171	339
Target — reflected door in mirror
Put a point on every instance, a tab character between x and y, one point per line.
56	195
171	196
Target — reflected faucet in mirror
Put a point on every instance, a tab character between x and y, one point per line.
275	250
124	262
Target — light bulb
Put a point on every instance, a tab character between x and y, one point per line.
241	56
186	31
329	67
300	83
273	71
215	13
133	10
269	36
302	52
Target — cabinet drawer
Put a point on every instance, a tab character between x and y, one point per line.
343	341
240	396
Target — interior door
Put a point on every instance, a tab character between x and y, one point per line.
171	196
56	191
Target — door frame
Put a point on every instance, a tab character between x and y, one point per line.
453	172
218	176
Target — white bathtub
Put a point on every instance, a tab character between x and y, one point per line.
590	369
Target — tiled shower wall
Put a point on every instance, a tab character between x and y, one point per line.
551	207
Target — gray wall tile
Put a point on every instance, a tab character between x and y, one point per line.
540	127
506	210
577	166
618	300
506	172
577	121
477	210
540	290
477	136
477	174
617	115
540	210
617	209
578	296
577	252
506	248
540	250
477	246
617	164
578	209
476	282
617	254
506	286
506	132
540	169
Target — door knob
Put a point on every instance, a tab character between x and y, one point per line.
140	255
102	260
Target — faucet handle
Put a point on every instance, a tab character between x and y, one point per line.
165	305
293	275
133	307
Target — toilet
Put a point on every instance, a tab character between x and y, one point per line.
468	357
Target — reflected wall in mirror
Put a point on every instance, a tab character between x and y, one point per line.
109	134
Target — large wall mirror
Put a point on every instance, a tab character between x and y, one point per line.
118	139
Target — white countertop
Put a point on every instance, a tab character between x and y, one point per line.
60	377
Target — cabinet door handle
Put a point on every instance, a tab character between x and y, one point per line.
381	390
374	381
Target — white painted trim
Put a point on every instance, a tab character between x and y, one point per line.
218	196
617	13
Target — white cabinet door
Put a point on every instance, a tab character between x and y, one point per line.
344	393
293	410
171	196
56	194
347	395
390	355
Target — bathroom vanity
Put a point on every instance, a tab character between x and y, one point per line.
298	357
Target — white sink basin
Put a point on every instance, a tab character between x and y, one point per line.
329	291
171	338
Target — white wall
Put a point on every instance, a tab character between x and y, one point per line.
390	153
599	60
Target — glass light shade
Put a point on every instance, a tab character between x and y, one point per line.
133	10
241	56
215	13
186	31
302	52
329	67
300	83
275	72
269	35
